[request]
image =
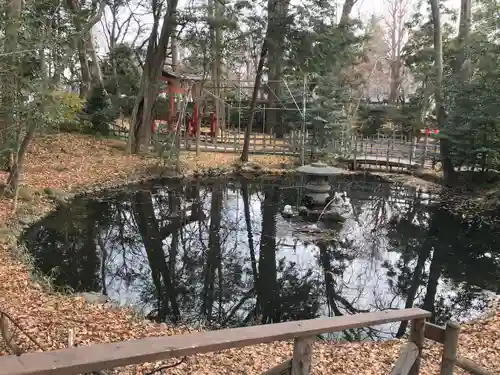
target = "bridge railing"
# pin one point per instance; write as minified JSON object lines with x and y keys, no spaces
{"x":393,"y":150}
{"x":99,"y":357}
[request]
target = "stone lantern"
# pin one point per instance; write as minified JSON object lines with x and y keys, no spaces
{"x":317,"y":189}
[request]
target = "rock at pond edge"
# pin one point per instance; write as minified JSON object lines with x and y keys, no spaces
{"x":93,"y":298}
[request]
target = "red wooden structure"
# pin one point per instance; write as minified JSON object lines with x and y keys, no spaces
{"x":191,"y":121}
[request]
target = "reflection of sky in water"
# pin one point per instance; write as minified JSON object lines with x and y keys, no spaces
{"x":364,"y":252}
{"x":363,"y":281}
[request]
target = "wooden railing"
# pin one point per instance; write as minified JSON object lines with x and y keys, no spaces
{"x":381,"y":149}
{"x":448,"y":336}
{"x":97,"y":357}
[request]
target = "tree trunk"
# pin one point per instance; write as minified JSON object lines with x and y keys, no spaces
{"x":253,"y":103}
{"x":448,"y":170}
{"x":81,"y":45}
{"x":278,"y":11}
{"x":461,"y":68}
{"x":324,"y":257}
{"x":248,"y":222}
{"x":397,"y":13}
{"x":15,"y":173}
{"x":217,"y":65}
{"x":157,"y":52}
{"x":10,"y":89}
{"x":267,"y":291}
{"x":395,"y":81}
{"x":433,"y":281}
{"x":83,"y":31}
{"x":86,"y":78}
{"x":152,"y":238}
{"x":14,"y":177}
{"x":415,"y":283}
{"x":346,"y":12}
{"x":213,"y":258}
{"x":97,"y":80}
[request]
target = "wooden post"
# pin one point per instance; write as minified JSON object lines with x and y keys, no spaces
{"x":472,"y":367}
{"x":302,"y":356}
{"x":71,"y":338}
{"x":413,"y":145}
{"x":283,"y":368}
{"x":450,"y":348}
{"x":406,"y":359}
{"x":424,"y":156}
{"x":388,"y":152}
{"x":417,"y":337}
{"x":355,"y":151}
{"x":365,"y":148}
{"x":434,"y":153}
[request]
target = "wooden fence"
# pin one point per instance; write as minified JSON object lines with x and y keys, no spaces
{"x":389,"y":150}
{"x":260,"y":143}
{"x":380,"y":151}
{"x":97,"y":357}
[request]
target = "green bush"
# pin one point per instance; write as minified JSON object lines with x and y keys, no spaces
{"x":99,"y":111}
{"x":63,"y":111}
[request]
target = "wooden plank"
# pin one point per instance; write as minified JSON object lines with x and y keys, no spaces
{"x":473,"y":367}
{"x":79,"y":360}
{"x":407,"y":357}
{"x":450,"y":346}
{"x":434,"y":332}
{"x":284,"y":368}
{"x":417,"y":337}
{"x":302,"y":356}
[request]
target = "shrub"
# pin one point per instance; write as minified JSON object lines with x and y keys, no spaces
{"x":99,"y":111}
{"x":63,"y":111}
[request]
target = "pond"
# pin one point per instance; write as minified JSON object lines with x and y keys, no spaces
{"x":219,"y":253}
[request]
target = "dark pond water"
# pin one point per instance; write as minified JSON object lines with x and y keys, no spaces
{"x":220,"y":254}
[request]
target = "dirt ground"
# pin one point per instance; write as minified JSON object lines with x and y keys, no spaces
{"x":68,"y":163}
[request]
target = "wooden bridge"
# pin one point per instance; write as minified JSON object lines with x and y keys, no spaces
{"x":380,"y":151}
{"x":97,"y":357}
{"x":390,"y":151}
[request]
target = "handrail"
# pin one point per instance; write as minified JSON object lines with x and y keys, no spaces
{"x":104,"y":356}
{"x":448,"y":336}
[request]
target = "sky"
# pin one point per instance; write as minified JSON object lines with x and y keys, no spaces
{"x":363,"y":9}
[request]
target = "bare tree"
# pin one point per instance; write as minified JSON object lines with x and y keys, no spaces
{"x":346,"y":13}
{"x":156,"y":54}
{"x":253,"y":103}
{"x":9,"y":90}
{"x":277,"y":16}
{"x":375,"y":69}
{"x":83,"y":29}
{"x":448,"y":170}
{"x":120,"y":24}
{"x":396,"y":35}
{"x":12,"y":27}
{"x":462,"y":67}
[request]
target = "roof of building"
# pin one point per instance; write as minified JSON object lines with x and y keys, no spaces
{"x":183,"y":73}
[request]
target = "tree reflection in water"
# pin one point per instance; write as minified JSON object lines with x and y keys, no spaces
{"x":220,"y":255}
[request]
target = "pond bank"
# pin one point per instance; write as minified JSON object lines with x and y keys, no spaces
{"x":58,"y":168}
{"x":48,"y":316}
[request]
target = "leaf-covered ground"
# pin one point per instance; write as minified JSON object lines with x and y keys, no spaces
{"x":69,"y":162}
